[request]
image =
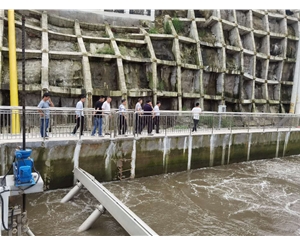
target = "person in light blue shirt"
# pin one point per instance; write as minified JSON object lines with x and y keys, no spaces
{"x":44,"y":111}
{"x":79,"y":115}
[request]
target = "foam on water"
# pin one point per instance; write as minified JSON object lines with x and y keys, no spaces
{"x":250,"y":198}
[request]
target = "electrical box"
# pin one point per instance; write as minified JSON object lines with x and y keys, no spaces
{"x":222,"y":109}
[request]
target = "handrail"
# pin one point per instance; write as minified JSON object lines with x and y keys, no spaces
{"x":132,"y":110}
{"x":62,"y":121}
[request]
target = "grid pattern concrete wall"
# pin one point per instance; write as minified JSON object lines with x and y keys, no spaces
{"x":244,"y":59}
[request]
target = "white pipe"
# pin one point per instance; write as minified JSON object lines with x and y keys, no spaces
{"x":72,"y":193}
{"x":29,"y":232}
{"x":76,"y":157}
{"x":295,"y":103}
{"x":294,"y":94}
{"x":91,"y":219}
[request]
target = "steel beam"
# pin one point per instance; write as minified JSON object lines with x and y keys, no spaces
{"x":126,"y":218}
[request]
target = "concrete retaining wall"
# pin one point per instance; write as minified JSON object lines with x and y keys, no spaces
{"x":123,"y":158}
{"x":244,"y":59}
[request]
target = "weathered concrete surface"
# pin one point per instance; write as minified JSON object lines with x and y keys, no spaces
{"x":244,"y":59}
{"x":111,"y":159}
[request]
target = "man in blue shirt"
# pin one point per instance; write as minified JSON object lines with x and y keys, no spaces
{"x":44,"y":111}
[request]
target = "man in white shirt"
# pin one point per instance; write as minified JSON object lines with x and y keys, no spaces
{"x":122,"y":117}
{"x":79,"y":115}
{"x":138,"y":116}
{"x":196,"y":111}
{"x":156,"y":116}
{"x":106,"y":115}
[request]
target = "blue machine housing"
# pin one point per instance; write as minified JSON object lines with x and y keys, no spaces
{"x":23,"y":168}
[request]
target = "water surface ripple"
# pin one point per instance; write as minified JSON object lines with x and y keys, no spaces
{"x":255,"y":198}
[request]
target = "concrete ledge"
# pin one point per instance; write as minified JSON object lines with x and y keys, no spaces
{"x":121,"y":158}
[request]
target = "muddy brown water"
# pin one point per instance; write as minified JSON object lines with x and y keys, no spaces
{"x":255,"y":198}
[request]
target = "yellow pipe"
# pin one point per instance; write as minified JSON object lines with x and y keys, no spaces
{"x":13,"y":84}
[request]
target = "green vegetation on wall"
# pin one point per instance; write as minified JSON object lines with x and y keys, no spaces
{"x":153,"y":30}
{"x":106,"y":50}
{"x":178,"y":25}
{"x":167,"y":28}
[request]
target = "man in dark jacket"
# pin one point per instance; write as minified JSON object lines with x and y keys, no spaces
{"x":98,"y":117}
{"x":148,"y":115}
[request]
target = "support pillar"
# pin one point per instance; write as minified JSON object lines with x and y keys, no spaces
{"x":13,"y":83}
{"x":72,"y":193}
{"x":295,"y":103}
{"x":45,"y":54}
{"x":92,"y":218}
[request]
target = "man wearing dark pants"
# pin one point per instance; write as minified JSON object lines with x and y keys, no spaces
{"x":148,"y":114}
{"x":122,"y":117}
{"x":44,"y":104}
{"x":98,"y":117}
{"x":138,"y":116}
{"x":156,"y":116}
{"x":79,"y":115}
{"x":106,"y":115}
{"x":196,"y":111}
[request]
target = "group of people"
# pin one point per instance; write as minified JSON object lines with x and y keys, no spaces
{"x":145,"y":115}
{"x":101,"y":116}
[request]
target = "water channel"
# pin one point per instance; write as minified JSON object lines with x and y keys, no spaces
{"x":254,"y":198}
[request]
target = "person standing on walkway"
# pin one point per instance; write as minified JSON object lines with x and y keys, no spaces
{"x":138,"y":116}
{"x":106,"y":115}
{"x":148,"y":114}
{"x":122,"y":118}
{"x":196,"y":111}
{"x":79,"y":115}
{"x":98,"y":117}
{"x":156,"y":116}
{"x":44,"y":111}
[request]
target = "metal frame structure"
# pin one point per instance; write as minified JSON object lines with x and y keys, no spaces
{"x":126,"y":218}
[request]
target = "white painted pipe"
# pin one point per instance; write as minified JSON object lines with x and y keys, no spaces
{"x":72,"y":193}
{"x":29,"y":232}
{"x":91,"y":219}
{"x":295,"y":103}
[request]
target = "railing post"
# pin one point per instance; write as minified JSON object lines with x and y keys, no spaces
{"x":213,"y":122}
{"x":230,"y":124}
{"x":115,"y":117}
{"x":248,"y":124}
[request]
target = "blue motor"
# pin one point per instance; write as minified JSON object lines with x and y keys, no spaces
{"x":23,"y":168}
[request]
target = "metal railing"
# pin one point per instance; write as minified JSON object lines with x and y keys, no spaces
{"x":63,"y":120}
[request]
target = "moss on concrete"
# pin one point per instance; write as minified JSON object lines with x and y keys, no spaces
{"x":54,"y":160}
